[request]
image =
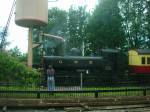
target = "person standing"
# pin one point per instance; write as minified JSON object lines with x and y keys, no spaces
{"x":50,"y":78}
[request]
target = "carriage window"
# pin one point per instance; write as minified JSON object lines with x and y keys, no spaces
{"x":148,"y":60}
{"x":143,"y":60}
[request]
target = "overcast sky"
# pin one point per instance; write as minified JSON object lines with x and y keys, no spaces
{"x":18,"y":36}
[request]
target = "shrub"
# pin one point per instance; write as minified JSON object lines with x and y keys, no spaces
{"x":12,"y":70}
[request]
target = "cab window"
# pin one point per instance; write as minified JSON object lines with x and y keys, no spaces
{"x":148,"y":60}
{"x":143,"y":60}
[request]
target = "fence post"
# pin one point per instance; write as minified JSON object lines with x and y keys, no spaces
{"x":144,"y":92}
{"x":38,"y":94}
{"x":96,"y":94}
{"x":81,"y":80}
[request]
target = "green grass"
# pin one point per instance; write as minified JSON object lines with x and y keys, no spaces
{"x":15,"y":88}
{"x":111,"y":88}
{"x":26,"y":88}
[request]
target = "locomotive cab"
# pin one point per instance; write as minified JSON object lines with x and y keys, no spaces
{"x":117,"y":60}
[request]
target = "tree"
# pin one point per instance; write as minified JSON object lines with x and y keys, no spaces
{"x":105,"y":27}
{"x":134,"y":22}
{"x":148,"y":22}
{"x":57,"y":20}
{"x":16,"y":53}
{"x":77,"y":23}
{"x":3,"y":43}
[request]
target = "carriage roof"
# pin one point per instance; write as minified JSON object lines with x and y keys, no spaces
{"x":143,"y":51}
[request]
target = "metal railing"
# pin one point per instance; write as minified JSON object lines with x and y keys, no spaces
{"x":73,"y":87}
{"x":88,"y":93}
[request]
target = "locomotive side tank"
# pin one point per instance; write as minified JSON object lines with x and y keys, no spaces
{"x":73,"y":62}
{"x":68,"y":69}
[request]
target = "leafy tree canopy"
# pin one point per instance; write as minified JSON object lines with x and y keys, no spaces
{"x":3,"y":35}
{"x":15,"y":52}
{"x":104,"y":28}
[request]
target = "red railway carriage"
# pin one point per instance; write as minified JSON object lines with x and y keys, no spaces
{"x":139,"y":61}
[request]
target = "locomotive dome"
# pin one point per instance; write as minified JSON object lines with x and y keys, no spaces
{"x":75,"y":52}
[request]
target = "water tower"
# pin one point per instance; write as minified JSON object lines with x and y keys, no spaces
{"x":31,"y":13}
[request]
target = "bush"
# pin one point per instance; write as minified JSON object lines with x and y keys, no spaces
{"x":13,"y":71}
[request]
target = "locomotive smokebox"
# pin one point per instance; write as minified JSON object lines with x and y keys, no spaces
{"x":30,"y":13}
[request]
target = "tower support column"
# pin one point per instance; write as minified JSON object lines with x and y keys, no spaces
{"x":30,"y":48}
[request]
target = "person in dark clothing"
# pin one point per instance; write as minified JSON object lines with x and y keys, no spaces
{"x":50,"y":78}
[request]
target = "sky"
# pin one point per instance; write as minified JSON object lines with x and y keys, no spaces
{"x":18,"y":36}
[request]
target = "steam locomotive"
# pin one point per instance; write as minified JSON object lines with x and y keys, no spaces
{"x":95,"y":70}
{"x":110,"y":66}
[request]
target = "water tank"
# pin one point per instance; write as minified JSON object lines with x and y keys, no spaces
{"x":30,"y":13}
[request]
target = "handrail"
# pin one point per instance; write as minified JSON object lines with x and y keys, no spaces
{"x":96,"y":92}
